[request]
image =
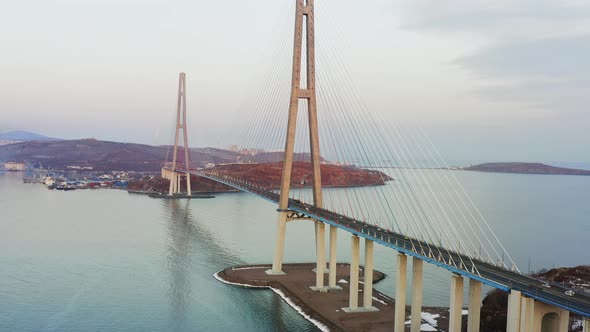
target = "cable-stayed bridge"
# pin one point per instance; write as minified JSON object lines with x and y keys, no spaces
{"x":426,"y":214}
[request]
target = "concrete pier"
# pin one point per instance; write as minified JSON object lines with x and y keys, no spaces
{"x":513,"y":318}
{"x":323,"y":308}
{"x":333,"y":250}
{"x":172,"y":182}
{"x":527,"y":314}
{"x":546,"y":317}
{"x":400,"y":292}
{"x":320,"y":267}
{"x":189,"y":189}
{"x":353,"y":298}
{"x":368,"y":278}
{"x":456,"y":308}
{"x":475,"y":301}
{"x":564,"y":319}
{"x":175,"y":185}
{"x":586,"y":325}
{"x":417,"y":293}
{"x":277,"y":263}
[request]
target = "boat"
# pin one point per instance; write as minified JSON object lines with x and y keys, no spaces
{"x":180,"y":196}
{"x":65,"y":186}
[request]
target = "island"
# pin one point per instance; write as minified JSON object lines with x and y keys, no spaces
{"x":268,"y":175}
{"x":525,"y":168}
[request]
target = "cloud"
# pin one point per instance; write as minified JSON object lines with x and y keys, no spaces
{"x":552,"y":73}
{"x":469,"y":14}
{"x":532,"y":52}
{"x":565,"y":57}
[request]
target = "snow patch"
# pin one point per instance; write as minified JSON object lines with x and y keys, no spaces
{"x":426,"y":327}
{"x":342,"y":281}
{"x":319,"y":325}
{"x":463,"y":312}
{"x":216,"y":275}
{"x":430,"y":319}
{"x":379,"y":300}
{"x":248,"y":268}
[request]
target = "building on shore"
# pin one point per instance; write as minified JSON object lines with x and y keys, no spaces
{"x":14,"y":166}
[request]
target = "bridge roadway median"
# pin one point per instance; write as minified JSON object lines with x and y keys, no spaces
{"x":489,"y":274}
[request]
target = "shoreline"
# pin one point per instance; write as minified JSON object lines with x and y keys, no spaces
{"x":299,"y":310}
{"x":324,"y":310}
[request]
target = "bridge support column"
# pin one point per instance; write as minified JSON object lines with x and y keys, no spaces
{"x":547,"y":317}
{"x":189,"y":190}
{"x":175,"y":186}
{"x":320,"y":248}
{"x":172,"y":183}
{"x":353,"y":297}
{"x":400,"y":292}
{"x":527,"y":314}
{"x":332,"y":268}
{"x":564,"y":320}
{"x":514,"y":307}
{"x":368,"y":278}
{"x":177,"y":182}
{"x":586,"y":325}
{"x":277,"y":262}
{"x":456,"y":310}
{"x":473,"y":321}
{"x":417,"y":290}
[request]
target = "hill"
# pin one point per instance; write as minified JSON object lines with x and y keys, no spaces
{"x":269,"y":176}
{"x":104,"y":155}
{"x":115,"y":156}
{"x":575,"y":277}
{"x":24,"y":136}
{"x":525,"y":168}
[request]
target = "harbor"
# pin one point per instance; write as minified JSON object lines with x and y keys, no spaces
{"x":77,"y":181}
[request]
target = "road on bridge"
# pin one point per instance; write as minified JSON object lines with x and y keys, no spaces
{"x":470,"y":267}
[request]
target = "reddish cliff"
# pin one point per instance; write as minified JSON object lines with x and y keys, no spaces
{"x":150,"y":184}
{"x":269,"y":176}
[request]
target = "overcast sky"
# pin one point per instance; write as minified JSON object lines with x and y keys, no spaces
{"x":488,"y":80}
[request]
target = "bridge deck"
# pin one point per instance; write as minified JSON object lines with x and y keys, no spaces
{"x":472,"y":268}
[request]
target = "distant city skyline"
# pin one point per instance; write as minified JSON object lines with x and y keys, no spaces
{"x":487,"y":81}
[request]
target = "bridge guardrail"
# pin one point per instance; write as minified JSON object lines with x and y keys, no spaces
{"x":531,"y":287}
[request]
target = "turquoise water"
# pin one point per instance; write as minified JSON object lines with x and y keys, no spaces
{"x":105,"y":260}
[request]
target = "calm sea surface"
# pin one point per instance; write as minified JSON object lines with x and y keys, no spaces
{"x":105,"y":260}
